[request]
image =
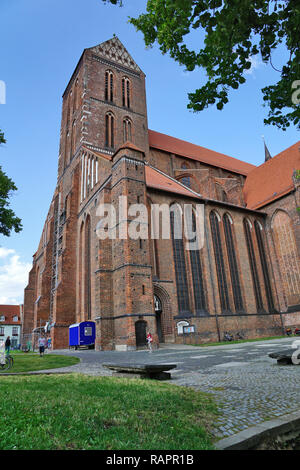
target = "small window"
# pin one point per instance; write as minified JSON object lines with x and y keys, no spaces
{"x":186,"y":179}
{"x":15,"y":331}
{"x":127,"y":130}
{"x":1,"y":330}
{"x":2,"y":318}
{"x":88,"y":331}
{"x":16,"y":318}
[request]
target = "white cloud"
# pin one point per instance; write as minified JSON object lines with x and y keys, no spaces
{"x":4,"y":252}
{"x":256,"y":62}
{"x":13,"y":277}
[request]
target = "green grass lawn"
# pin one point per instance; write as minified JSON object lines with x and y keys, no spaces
{"x":105,"y":413}
{"x":28,"y":362}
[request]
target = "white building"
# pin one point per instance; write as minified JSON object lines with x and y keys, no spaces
{"x":11,"y":318}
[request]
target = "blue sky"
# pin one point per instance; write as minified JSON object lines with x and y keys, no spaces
{"x":41,"y":43}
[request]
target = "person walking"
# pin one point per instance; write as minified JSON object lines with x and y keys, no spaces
{"x":41,"y":344}
{"x":149,"y":341}
{"x":7,"y":345}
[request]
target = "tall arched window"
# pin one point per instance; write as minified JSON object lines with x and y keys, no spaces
{"x":109,"y":85}
{"x":286,"y":249}
{"x":71,"y":110}
{"x":127,"y":130}
{"x":87,"y":269}
{"x":38,"y":284}
{"x":253,"y":266}
{"x":126,"y":92}
{"x":109,"y":130}
{"x":66,"y":159}
{"x":81,"y":273}
{"x":75,"y":106}
{"x":153,"y":242}
{"x":220,"y":266}
{"x":73,"y":140}
{"x":179,"y":261}
{"x":197,"y":276}
{"x":264,"y":264}
{"x":233,"y":266}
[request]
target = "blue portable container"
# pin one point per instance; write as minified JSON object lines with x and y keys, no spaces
{"x":82,"y":334}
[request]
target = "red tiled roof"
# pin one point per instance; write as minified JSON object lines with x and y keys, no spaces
{"x":9,"y":312}
{"x":158,"y":180}
{"x":195,"y":152}
{"x":272,"y":179}
{"x":129,"y":145}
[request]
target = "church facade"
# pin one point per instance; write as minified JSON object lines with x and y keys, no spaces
{"x":244,"y":278}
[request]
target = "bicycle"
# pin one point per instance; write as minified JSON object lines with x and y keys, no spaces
{"x":227,"y":336}
{"x":239,"y":336}
{"x":9,"y":362}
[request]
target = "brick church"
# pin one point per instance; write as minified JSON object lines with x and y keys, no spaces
{"x":244,"y":280}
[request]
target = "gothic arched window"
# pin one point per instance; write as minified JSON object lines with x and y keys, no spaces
{"x":87,"y":268}
{"x":126,"y":92}
{"x":253,"y":266}
{"x":264,"y":264}
{"x":220,"y":266}
{"x":73,"y":139}
{"x":109,"y":130}
{"x":197,"y":275}
{"x":127,"y":130}
{"x":75,"y":106}
{"x":288,"y":258}
{"x":186,"y":179}
{"x":233,"y":266}
{"x":179,"y":261}
{"x":109,"y":85}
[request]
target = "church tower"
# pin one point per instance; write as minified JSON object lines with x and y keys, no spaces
{"x":104,"y":106}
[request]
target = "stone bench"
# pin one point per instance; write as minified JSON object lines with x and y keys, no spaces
{"x":143,"y":371}
{"x":283,"y":357}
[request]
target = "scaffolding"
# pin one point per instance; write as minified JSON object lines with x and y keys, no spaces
{"x":30,"y":340}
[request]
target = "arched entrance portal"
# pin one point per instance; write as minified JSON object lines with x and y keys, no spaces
{"x":164,"y":320}
{"x":158,"y":313}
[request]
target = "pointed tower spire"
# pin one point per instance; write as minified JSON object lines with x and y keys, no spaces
{"x":267,"y":153}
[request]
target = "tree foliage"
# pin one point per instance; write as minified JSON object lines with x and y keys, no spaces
{"x":8,"y":219}
{"x":235,"y":32}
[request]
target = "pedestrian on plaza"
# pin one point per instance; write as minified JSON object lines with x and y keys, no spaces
{"x":7,"y":345}
{"x":49,"y":343}
{"x":41,"y":344}
{"x":149,"y":341}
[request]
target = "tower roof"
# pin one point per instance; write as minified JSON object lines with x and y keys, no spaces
{"x":114,"y":51}
{"x":111,"y":50}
